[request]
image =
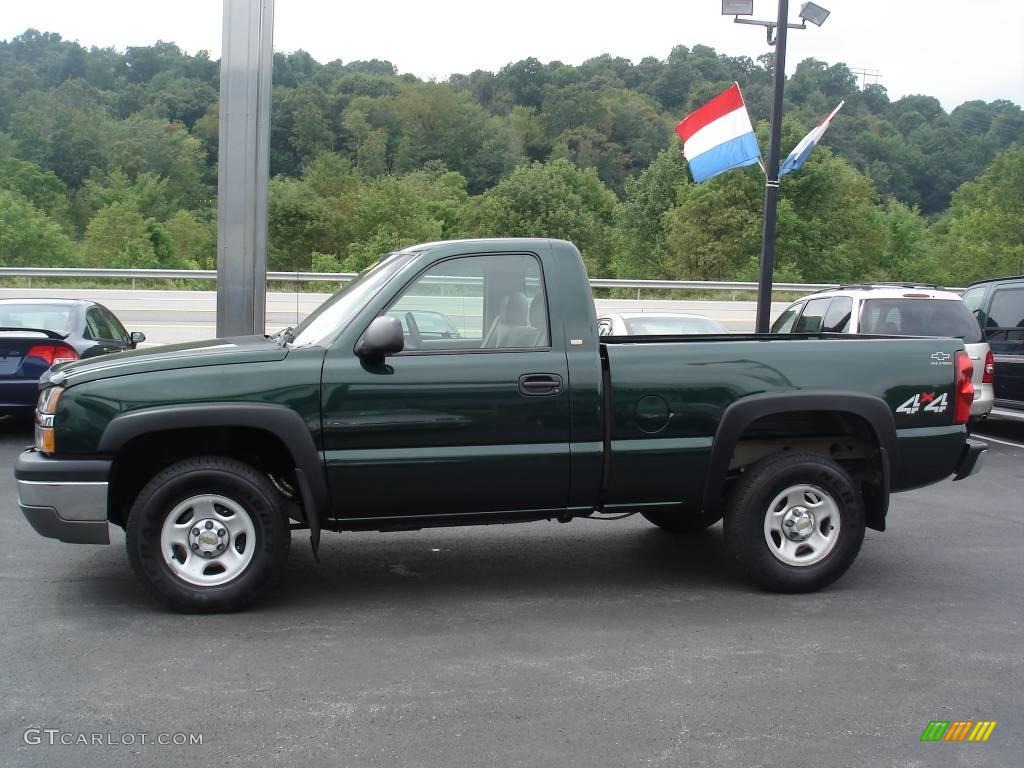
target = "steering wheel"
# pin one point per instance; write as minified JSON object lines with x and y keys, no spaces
{"x":415,"y":338}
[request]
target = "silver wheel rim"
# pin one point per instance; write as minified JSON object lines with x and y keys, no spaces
{"x":208,"y":540}
{"x":801,"y":525}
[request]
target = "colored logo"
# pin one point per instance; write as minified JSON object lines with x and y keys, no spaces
{"x":959,"y":730}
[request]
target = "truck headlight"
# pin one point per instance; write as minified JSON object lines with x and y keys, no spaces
{"x":46,"y":410}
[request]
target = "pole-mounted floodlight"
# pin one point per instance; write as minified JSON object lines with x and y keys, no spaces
{"x":777,"y":32}
{"x":813,"y":13}
{"x":737,"y":7}
{"x":808,"y":12}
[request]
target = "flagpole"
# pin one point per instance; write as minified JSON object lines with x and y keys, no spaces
{"x":771,"y":185}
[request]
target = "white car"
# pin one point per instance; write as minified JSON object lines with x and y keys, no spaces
{"x":657,"y":324}
{"x":897,"y":310}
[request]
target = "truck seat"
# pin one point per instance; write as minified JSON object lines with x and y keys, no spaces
{"x":530,"y":335}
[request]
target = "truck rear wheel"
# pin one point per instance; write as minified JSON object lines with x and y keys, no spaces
{"x":207,"y":535}
{"x":682,"y":523}
{"x":795,"y":522}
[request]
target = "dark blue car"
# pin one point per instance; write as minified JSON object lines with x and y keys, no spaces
{"x":38,"y":333}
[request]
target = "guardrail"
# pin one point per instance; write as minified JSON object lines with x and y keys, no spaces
{"x":344,"y":277}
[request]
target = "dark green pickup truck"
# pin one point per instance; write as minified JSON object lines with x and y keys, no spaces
{"x":464,"y":382}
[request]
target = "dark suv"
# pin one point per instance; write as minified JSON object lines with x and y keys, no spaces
{"x":999,"y":306}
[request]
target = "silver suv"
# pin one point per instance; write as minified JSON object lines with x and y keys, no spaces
{"x":897,"y":310}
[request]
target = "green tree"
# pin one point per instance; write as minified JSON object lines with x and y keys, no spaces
{"x":180,"y":99}
{"x":118,"y":238}
{"x":298,"y":223}
{"x":906,"y":255}
{"x":148,"y":193}
{"x":713,"y":231}
{"x":193,"y":242}
{"x":393,"y":212}
{"x":588,"y":148}
{"x":982,"y":235}
{"x":640,"y":217}
{"x":65,"y":130}
{"x":311,"y":133}
{"x":831,"y":229}
{"x":165,"y":149}
{"x":521,"y":83}
{"x":29,"y":238}
{"x":42,"y":188}
{"x":372,"y":158}
{"x":555,"y":199}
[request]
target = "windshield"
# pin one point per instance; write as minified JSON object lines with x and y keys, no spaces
{"x":671,"y":326}
{"x":920,"y":317}
{"x":337,"y":312}
{"x":48,"y":317}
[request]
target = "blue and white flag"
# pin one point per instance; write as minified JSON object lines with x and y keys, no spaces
{"x":803,"y":150}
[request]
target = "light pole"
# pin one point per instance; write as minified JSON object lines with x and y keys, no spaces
{"x":816,"y":15}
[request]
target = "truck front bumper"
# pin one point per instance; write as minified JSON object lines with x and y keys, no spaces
{"x":970,"y":459}
{"x":64,"y":499}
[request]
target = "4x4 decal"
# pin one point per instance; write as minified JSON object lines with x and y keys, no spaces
{"x":927,"y":401}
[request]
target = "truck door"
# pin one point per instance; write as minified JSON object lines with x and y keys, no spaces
{"x":1004,"y":328}
{"x":472,"y":417}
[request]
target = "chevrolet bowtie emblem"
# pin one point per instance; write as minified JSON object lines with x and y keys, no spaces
{"x":941,"y":356}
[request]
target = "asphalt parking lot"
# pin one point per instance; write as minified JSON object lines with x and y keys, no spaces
{"x":588,"y":644}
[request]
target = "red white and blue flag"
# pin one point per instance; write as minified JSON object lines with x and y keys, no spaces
{"x":719,"y":136}
{"x":807,"y":144}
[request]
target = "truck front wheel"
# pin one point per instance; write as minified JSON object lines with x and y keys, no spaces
{"x":795,"y":522}
{"x":207,"y":535}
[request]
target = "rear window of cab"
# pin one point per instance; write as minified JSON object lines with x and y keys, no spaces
{"x":919,"y":317}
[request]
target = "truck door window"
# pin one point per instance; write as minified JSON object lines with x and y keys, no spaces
{"x":837,"y":319}
{"x":1007,"y":310}
{"x":812,"y":317}
{"x":1005,"y":322}
{"x":475,"y":302}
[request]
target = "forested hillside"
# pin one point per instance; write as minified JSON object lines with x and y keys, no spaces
{"x":109,"y":158}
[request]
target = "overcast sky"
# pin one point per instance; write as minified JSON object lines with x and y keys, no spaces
{"x":956,"y":51}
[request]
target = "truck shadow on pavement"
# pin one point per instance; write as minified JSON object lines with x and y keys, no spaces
{"x":623,"y":561}
{"x":547,"y":561}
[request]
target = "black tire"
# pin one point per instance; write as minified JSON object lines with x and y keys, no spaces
{"x":682,"y":523}
{"x":748,"y":517}
{"x":226,"y":478}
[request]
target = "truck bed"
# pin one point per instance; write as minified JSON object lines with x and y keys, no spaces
{"x":668,"y":397}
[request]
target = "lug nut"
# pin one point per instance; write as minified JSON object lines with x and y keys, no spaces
{"x":220,"y":546}
{"x":222,"y":532}
{"x":195,"y":531}
{"x":209,"y":524}
{"x":789,"y":523}
{"x":195,"y":546}
{"x":207,"y":554}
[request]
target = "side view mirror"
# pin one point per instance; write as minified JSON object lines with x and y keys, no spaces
{"x":137,"y":338}
{"x":384,"y":337}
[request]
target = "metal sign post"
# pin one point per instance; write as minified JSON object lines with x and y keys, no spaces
{"x":243,"y":166}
